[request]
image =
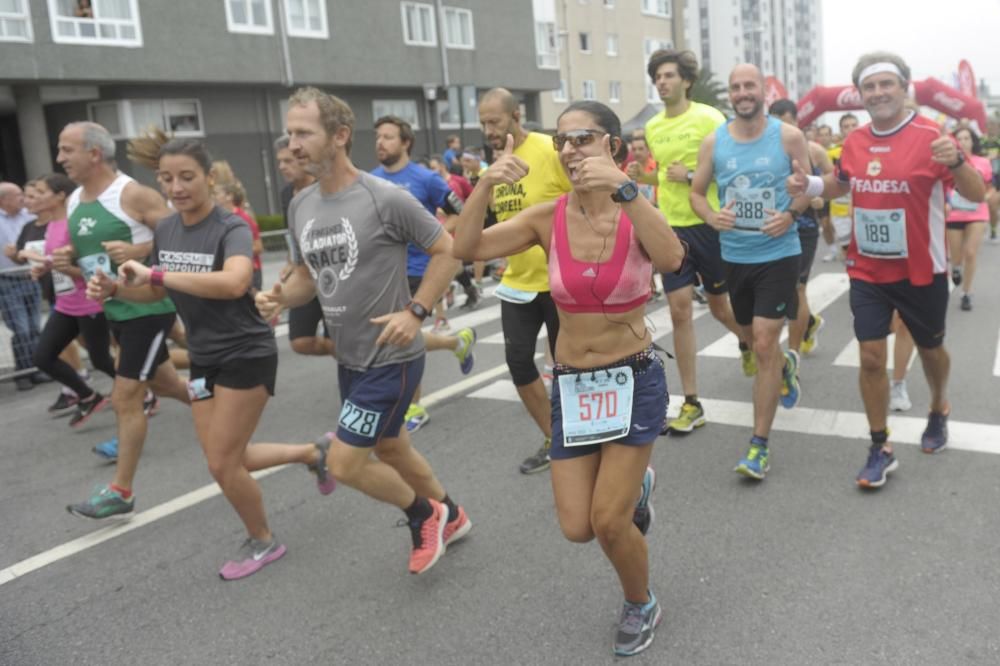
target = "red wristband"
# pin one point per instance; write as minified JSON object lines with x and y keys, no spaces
{"x":156,"y":277}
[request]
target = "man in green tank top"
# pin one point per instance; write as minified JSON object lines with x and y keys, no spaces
{"x":111,"y":218}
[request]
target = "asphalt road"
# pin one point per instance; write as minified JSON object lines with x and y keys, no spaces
{"x":802,"y":569}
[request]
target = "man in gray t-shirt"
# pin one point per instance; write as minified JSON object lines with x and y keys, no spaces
{"x":349,"y":233}
{"x":354,"y":245}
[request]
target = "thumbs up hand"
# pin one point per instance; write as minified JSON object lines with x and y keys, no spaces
{"x":944,"y":149}
{"x":270,"y":303}
{"x":508,"y":167}
{"x":797,"y":182}
{"x":598,"y":173}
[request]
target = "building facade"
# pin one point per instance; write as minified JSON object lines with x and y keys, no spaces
{"x":782,"y":37}
{"x":223,"y":70}
{"x":600,"y":49}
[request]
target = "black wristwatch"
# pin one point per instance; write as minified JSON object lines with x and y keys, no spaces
{"x":626,"y":192}
{"x":959,"y":162}
{"x":418,"y":310}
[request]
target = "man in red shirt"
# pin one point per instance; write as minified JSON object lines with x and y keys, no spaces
{"x":896,"y":169}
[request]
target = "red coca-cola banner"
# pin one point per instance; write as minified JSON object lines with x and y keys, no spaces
{"x":774,"y":90}
{"x":929,"y":92}
{"x":966,"y":79}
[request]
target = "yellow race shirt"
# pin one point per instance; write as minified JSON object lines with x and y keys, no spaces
{"x":678,"y":139}
{"x":546,"y":180}
{"x":841,"y":206}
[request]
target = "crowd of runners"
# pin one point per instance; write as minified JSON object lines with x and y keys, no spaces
{"x":585,"y":223}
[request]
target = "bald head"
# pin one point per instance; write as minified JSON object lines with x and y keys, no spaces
{"x":745,"y":70}
{"x":499,"y":116}
{"x":11,"y":200}
{"x":500,"y":97}
{"x":746,"y":91}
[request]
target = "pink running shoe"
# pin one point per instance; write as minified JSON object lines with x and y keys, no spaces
{"x":456,"y":529}
{"x":324,"y":480}
{"x":428,"y":545}
{"x":253,"y":556}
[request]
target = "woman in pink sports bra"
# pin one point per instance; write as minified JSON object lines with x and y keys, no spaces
{"x":609,"y":397}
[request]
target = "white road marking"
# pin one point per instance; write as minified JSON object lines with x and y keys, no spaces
{"x":850,"y":356}
{"x":996,"y":360}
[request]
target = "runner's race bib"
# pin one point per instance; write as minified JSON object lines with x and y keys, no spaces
{"x":880,"y":234}
{"x":750,"y":206}
{"x":198,"y":390}
{"x":958,"y":202}
{"x":62,"y":283}
{"x":361,"y":422}
{"x":596,"y":405}
{"x":90,"y":264}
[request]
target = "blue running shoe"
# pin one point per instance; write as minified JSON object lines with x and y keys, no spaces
{"x":880,"y":464}
{"x":643,"y":515}
{"x":790,"y":390}
{"x":935,"y":437}
{"x":756,"y":463}
{"x":107,"y":450}
{"x":466,"y":341}
{"x":637,"y":626}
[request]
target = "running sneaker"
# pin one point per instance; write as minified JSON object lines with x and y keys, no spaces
{"x":416,"y":417}
{"x":749,"y":360}
{"x":463,"y":352}
{"x":150,"y":404}
{"x":878,"y":467}
{"x":428,"y":542}
{"x":456,"y":529}
{"x":810,"y":341}
{"x":956,"y":275}
{"x":899,"y":399}
{"x":471,"y":298}
{"x":324,"y":480}
{"x":63,"y":402}
{"x":935,"y":437}
{"x":690,"y":417}
{"x":830,"y":256}
{"x":441,"y":325}
{"x":966,"y":302}
{"x":539,"y":461}
{"x":87,"y":408}
{"x":107,"y":450}
{"x":790,"y":389}
{"x":103,"y":503}
{"x":643,"y":515}
{"x":756,"y":463}
{"x":252,"y":556}
{"x":636,"y":626}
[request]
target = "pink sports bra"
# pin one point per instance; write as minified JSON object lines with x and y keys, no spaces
{"x":617,"y":285}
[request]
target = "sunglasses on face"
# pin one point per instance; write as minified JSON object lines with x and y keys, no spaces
{"x":576,"y":138}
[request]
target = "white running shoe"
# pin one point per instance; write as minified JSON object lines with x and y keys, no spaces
{"x":899,"y":399}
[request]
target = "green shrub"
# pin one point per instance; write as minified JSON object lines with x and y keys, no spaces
{"x":270,"y":222}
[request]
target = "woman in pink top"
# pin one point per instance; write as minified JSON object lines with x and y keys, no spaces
{"x":967,"y":219}
{"x":603,"y":241}
{"x":74,"y":314}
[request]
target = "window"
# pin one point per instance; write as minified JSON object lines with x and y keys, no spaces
{"x":589,"y":89}
{"x":585,"y":42}
{"x":252,"y":16}
{"x":458,"y":28}
{"x":656,"y":7}
{"x":15,"y":21}
{"x":306,"y":18}
{"x":609,"y":4}
{"x":449,"y":108}
{"x":614,"y":91}
{"x":404,"y":108}
{"x":560,"y":94}
{"x":106,"y":22}
{"x":419,"y":27}
{"x":126,"y":119}
{"x":612,"y":44}
{"x":546,"y":45}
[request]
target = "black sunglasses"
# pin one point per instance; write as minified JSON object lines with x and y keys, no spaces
{"x":576,"y":138}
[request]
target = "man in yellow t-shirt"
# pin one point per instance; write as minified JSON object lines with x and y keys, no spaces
{"x":674,"y":138}
{"x":838,"y":230}
{"x":524,"y":290}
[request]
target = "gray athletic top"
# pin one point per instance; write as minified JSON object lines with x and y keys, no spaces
{"x":354,"y":243}
{"x":218,"y":330}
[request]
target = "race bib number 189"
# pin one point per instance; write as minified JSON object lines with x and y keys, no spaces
{"x":880,"y":234}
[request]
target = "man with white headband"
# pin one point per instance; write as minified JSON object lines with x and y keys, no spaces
{"x":896,"y":170}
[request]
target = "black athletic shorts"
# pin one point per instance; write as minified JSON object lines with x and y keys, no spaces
{"x":704,"y":258}
{"x":302,"y":321}
{"x":243,"y":373}
{"x":922,"y":309}
{"x":808,"y":239}
{"x":768,"y":290}
{"x":142,"y":344}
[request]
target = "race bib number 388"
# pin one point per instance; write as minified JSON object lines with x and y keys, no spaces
{"x":596,"y":406}
{"x":880,"y":234}
{"x":750,"y":205}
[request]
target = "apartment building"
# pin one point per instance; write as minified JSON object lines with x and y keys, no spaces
{"x":782,"y":37}
{"x":222,"y":70}
{"x":600,"y":49}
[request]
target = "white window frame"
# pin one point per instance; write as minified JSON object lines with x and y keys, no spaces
{"x":56,"y":19}
{"x":419,"y":6}
{"x":614,"y":92}
{"x":652,"y":8}
{"x":25,"y":16}
{"x":559,"y":94}
{"x":609,"y":4}
{"x":649,"y":46}
{"x":128,"y":127}
{"x":590,"y":41}
{"x":609,"y":38}
{"x":592,"y":85}
{"x":250,"y":29}
{"x":547,"y":59}
{"x":413,"y":119}
{"x":308,"y":33}
{"x":472,"y":29}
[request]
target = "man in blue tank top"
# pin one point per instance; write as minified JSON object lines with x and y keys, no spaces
{"x":749,"y":159}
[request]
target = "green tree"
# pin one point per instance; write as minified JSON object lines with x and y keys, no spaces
{"x":708,"y":90}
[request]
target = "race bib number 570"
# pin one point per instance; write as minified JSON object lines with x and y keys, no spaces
{"x":596,"y":406}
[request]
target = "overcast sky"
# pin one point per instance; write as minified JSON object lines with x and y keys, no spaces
{"x":930,"y":37}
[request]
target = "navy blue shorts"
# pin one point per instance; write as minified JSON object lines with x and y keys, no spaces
{"x":922,"y":309}
{"x":374,"y":401}
{"x":704,"y":258}
{"x":649,"y":405}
